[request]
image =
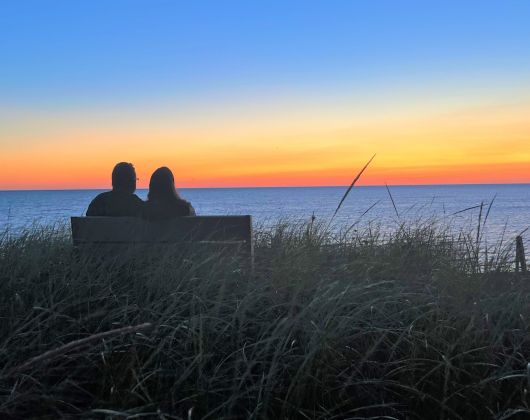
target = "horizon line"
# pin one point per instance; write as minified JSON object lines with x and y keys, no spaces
{"x":277,"y":186}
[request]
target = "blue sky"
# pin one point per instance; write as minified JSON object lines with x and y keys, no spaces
{"x":77,"y":53}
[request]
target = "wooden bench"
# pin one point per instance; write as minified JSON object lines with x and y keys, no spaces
{"x":183,"y":232}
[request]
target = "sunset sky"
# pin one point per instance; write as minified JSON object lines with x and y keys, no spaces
{"x":264,"y":93}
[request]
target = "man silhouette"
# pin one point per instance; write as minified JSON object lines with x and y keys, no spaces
{"x":121,"y":201}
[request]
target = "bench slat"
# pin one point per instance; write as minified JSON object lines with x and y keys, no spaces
{"x":181,"y":229}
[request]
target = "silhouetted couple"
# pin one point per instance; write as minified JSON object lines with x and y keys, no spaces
{"x":163,"y":201}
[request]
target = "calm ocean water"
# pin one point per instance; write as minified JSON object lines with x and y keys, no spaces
{"x":511,"y":207}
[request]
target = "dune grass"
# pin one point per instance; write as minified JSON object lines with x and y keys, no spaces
{"x":416,"y":324}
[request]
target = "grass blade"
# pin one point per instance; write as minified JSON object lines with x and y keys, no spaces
{"x":477,"y":242}
{"x":351,"y":186}
{"x":488,"y":211}
{"x":392,"y":199}
{"x":469,"y":208}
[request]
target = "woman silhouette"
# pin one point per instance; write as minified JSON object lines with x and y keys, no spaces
{"x":163,"y":201}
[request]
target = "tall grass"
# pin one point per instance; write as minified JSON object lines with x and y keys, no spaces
{"x":411,"y":324}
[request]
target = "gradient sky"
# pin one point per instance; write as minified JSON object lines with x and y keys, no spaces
{"x":258,"y":93}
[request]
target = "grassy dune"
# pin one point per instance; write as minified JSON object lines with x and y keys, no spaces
{"x":418,"y":324}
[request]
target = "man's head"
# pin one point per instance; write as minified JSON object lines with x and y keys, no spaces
{"x":124,"y":178}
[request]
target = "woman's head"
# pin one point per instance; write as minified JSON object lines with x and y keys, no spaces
{"x":162,"y":185}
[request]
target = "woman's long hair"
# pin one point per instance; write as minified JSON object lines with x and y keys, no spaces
{"x":162,"y":186}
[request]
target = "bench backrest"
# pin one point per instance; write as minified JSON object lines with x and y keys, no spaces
{"x":101,"y":230}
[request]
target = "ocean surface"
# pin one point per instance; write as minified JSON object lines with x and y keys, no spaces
{"x":510,"y":210}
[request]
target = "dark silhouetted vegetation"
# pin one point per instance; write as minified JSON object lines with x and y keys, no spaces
{"x":416,"y":324}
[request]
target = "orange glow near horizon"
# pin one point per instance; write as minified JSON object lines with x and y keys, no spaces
{"x":474,"y":145}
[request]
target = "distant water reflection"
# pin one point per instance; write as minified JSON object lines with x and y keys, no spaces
{"x":510,"y":210}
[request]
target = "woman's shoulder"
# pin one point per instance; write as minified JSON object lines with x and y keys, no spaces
{"x":154,"y":209}
{"x":189,"y":208}
{"x":184,"y":207}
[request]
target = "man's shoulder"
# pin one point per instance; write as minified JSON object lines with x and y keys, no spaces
{"x":98,"y":205}
{"x":102,"y":196}
{"x":114,"y":203}
{"x":117,"y":196}
{"x":131,"y":200}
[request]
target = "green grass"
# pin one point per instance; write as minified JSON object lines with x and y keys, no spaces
{"x":417,"y":324}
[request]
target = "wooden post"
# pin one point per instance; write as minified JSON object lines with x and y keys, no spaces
{"x":520,"y":258}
